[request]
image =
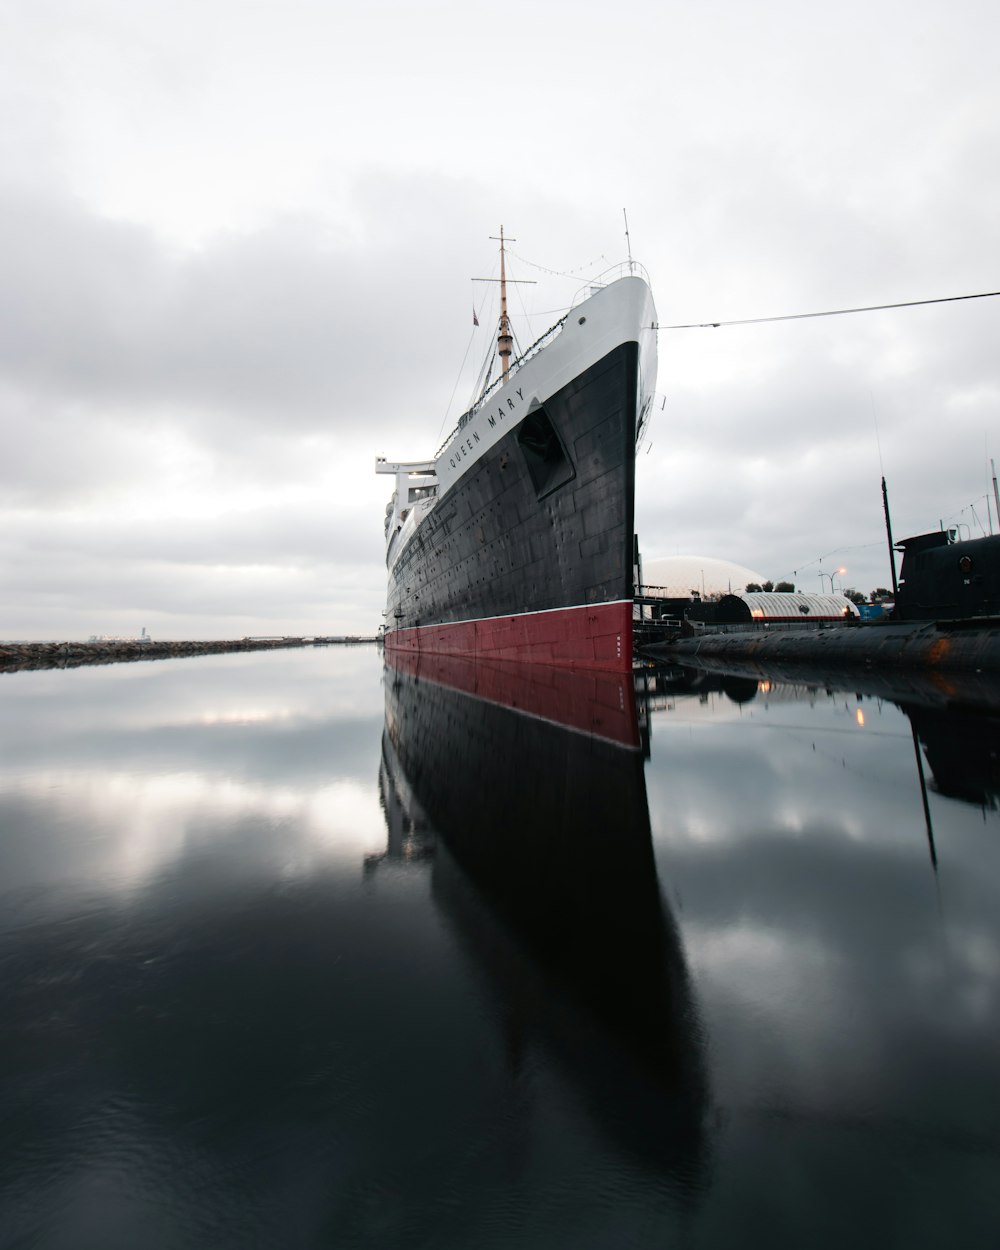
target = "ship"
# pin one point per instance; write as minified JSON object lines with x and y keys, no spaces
{"x":515,"y":541}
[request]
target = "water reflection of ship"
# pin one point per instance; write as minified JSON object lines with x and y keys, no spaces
{"x":543,"y":862}
{"x":962,"y":747}
{"x":955,"y":716}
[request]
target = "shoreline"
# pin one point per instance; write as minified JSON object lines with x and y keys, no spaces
{"x":19,"y":657}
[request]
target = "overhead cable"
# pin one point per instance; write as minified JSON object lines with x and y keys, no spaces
{"x":833,"y":312}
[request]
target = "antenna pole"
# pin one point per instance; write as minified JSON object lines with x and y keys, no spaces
{"x":628,"y":243}
{"x":892,"y":550}
{"x":996,"y":496}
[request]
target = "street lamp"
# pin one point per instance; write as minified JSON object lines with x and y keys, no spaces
{"x":831,"y":576}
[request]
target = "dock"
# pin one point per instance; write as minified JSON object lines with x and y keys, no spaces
{"x":972,"y":643}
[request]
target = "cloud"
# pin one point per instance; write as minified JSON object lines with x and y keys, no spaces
{"x":237,"y":253}
{"x":282,"y":325}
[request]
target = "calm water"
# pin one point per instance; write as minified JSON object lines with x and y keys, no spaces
{"x":297,"y":953}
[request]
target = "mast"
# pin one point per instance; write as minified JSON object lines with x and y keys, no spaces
{"x":504,"y":339}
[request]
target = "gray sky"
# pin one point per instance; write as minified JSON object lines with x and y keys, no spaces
{"x":236,"y":244}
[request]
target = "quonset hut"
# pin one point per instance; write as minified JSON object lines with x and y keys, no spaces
{"x":775,"y":609}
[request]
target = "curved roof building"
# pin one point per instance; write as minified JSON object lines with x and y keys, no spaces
{"x":781,"y":608}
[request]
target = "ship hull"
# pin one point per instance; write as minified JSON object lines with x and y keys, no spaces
{"x":597,"y":636}
{"x":528,"y":556}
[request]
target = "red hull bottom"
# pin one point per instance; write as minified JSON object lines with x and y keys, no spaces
{"x":587,"y":637}
{"x":598,"y":704}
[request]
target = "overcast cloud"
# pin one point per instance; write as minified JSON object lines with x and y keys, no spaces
{"x":236,"y":244}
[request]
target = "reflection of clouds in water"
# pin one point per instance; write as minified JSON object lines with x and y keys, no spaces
{"x":751,"y":962}
{"x":298,"y":751}
{"x":243,"y":716}
{"x":958,"y":974}
{"x":902,"y":1034}
{"x":779,"y":995}
{"x":813,"y":768}
{"x":112,"y":776}
{"x":839,"y":977}
{"x":122,"y":829}
{"x":45,"y":711}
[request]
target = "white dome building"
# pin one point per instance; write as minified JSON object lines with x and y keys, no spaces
{"x":675,"y":577}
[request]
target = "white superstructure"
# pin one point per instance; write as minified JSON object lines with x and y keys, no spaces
{"x":621,"y":310}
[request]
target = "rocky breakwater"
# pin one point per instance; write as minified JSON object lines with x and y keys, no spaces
{"x":18,"y":656}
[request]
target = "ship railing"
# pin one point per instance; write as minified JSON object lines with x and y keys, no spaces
{"x":539,"y":343}
{"x":624,"y":269}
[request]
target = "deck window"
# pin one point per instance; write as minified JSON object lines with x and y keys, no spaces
{"x":422,"y":492}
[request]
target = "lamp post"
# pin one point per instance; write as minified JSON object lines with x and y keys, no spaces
{"x":831,"y":576}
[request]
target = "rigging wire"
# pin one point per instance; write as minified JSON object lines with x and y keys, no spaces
{"x":486,"y":365}
{"x":477,"y":315}
{"x":557,"y":273}
{"x":950,"y":521}
{"x":832,"y":312}
{"x":527,"y":320}
{"x":483,"y":380}
{"x":451,"y":398}
{"x":956,"y":517}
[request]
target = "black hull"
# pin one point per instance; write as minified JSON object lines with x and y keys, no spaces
{"x":543,"y":520}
